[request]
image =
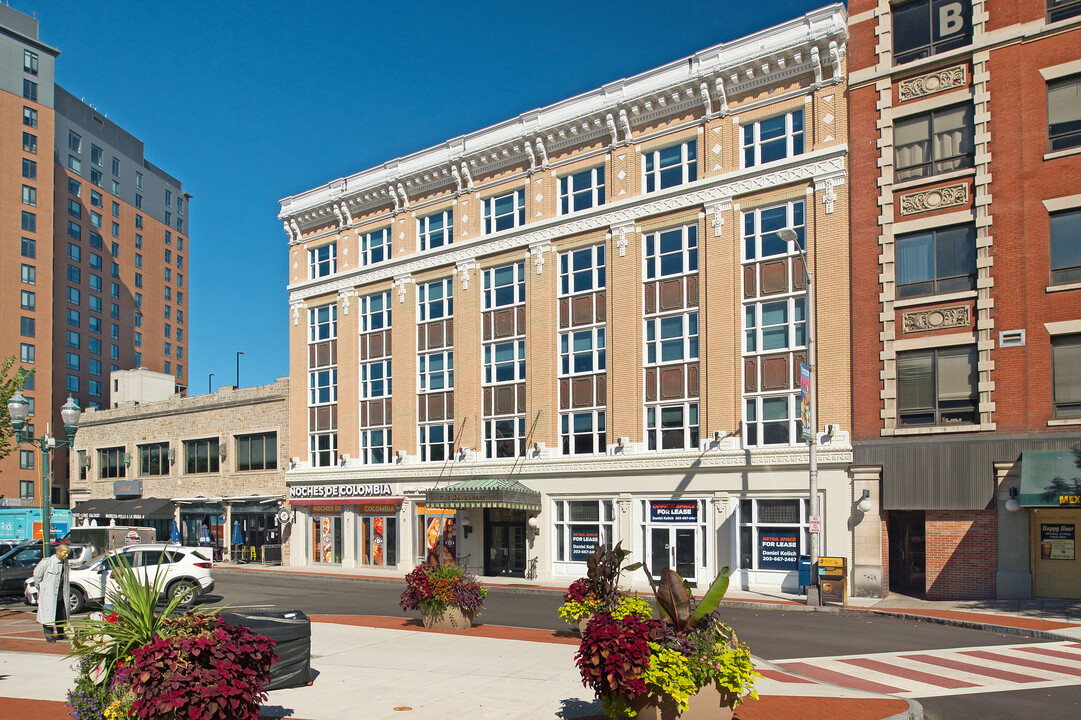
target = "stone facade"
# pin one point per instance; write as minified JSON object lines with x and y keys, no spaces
{"x":224,"y":416}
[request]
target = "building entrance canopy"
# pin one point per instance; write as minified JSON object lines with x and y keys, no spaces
{"x":484,"y":493}
{"x":1051,"y":478}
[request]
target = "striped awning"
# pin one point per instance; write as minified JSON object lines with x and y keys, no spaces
{"x":484,"y":493}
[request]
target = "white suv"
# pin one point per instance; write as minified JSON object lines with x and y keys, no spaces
{"x":184,"y":571}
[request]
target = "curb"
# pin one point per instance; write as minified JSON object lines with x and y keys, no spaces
{"x":970,"y":624}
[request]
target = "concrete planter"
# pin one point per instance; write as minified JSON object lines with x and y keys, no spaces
{"x":706,"y":704}
{"x":453,"y":618}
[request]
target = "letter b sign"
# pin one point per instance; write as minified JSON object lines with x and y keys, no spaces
{"x":951,"y":19}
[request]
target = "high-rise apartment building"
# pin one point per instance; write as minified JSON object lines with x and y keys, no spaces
{"x":965,"y":138}
{"x":94,"y":256}
{"x":584,"y":325}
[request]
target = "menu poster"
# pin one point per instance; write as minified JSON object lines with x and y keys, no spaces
{"x":584,"y":539}
{"x":778,"y":550}
{"x":1057,"y":541}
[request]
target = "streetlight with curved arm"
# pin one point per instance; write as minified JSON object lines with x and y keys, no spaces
{"x":70,"y":412}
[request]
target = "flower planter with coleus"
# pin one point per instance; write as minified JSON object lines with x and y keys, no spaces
{"x":139,"y":662}
{"x":599,"y":589}
{"x":688,"y":656}
{"x":435,"y":589}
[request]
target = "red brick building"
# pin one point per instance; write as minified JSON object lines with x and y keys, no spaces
{"x":965,"y":128}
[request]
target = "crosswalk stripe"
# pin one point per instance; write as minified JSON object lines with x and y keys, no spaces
{"x":1075,"y":657}
{"x":1035,"y":664}
{"x":839,"y":678}
{"x":972,"y":669}
{"x":908,"y":673}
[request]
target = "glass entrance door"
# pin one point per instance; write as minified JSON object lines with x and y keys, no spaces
{"x":676,"y":548}
{"x":505,"y":542}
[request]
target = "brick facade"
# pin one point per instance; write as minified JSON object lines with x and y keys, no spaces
{"x":1000,"y":181}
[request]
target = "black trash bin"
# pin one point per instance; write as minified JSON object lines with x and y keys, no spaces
{"x":291,"y":631}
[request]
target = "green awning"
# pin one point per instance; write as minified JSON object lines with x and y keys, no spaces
{"x":484,"y":493}
{"x":1051,"y":478}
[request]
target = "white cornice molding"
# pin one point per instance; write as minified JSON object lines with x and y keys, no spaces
{"x":787,"y":456}
{"x":813,"y":167}
{"x":808,"y":44}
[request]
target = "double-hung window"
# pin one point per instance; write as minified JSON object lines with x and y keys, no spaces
{"x":323,"y":261}
{"x":1062,"y":9}
{"x":375,"y":381}
{"x":582,"y":351}
{"x":581,"y":191}
{"x":30,"y":117}
{"x":436,"y":371}
{"x":672,"y":339}
{"x":1064,"y":113}
{"x":375,"y":246}
{"x":672,"y":252}
{"x":937,"y":261}
{"x":671,"y":166}
{"x":504,"y":212}
{"x":937,"y":387}
{"x":504,"y":362}
{"x":1065,"y":230}
{"x":672,"y":427}
{"x":773,"y":138}
{"x":435,"y":300}
{"x":504,"y":286}
{"x":933,"y":143}
{"x":436,"y":230}
{"x":922,"y":28}
{"x":1066,"y":368}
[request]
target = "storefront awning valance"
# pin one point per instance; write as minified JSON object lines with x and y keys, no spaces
{"x":137,"y":509}
{"x":1051,"y":478}
{"x":484,"y":493}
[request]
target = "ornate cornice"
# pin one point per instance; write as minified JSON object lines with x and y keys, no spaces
{"x":936,"y":319}
{"x":934,"y":199}
{"x":810,"y":167}
{"x":932,"y":83}
{"x":813,"y":43}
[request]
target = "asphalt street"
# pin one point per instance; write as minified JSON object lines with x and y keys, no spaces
{"x":773,"y":634}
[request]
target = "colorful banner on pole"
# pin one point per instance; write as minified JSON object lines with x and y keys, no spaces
{"x":805,"y":401}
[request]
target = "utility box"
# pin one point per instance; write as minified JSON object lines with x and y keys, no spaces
{"x":833,"y":579}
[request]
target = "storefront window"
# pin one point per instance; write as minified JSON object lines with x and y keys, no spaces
{"x":377,"y":535}
{"x":580,"y":525}
{"x":326,"y":534}
{"x":437,"y":536}
{"x":251,"y":531}
{"x":203,"y":527}
{"x":772,"y":533}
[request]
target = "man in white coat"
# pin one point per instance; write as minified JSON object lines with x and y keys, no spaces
{"x":54,"y":593}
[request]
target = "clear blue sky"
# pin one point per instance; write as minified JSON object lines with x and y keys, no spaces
{"x":249,"y":102}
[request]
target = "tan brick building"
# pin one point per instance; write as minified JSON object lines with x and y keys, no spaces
{"x":94,"y":258}
{"x":581,"y":325}
{"x":217,"y":460}
{"x":966,"y":272}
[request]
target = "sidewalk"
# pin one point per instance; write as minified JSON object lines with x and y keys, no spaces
{"x":394,"y":668}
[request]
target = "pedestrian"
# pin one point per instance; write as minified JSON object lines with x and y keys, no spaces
{"x":51,"y":577}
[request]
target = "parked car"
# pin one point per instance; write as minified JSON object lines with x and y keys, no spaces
{"x":184,"y":572}
{"x":110,"y":537}
{"x":18,"y":563}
